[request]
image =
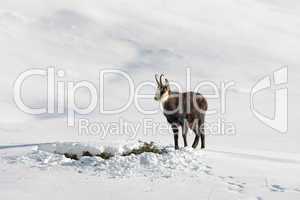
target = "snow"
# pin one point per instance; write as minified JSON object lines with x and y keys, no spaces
{"x":239,"y":40}
{"x":220,"y":175}
{"x":146,"y":164}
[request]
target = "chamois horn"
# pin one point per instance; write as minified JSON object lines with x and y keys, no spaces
{"x":156,"y":75}
{"x":160,"y":79}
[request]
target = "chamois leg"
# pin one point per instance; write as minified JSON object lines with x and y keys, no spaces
{"x":195,"y":128}
{"x":175,"y":131}
{"x":201,"y":129}
{"x":184,"y":134}
{"x":199,"y":132}
{"x":184,"y":140}
{"x":202,"y":140}
{"x":196,"y":141}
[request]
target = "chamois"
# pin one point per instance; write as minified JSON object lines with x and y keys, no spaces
{"x":185,"y":110}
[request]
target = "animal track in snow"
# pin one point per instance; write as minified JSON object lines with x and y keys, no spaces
{"x":233,"y":184}
{"x":277,"y":188}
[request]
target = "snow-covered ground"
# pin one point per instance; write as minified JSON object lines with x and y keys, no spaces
{"x":238,"y":40}
{"x":43,"y":172}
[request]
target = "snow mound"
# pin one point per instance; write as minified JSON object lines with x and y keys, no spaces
{"x":93,"y":149}
{"x":170,"y":163}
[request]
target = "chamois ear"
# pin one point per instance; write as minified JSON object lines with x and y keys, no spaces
{"x":166,"y":81}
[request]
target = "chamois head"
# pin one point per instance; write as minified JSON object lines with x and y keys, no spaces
{"x":163,"y":89}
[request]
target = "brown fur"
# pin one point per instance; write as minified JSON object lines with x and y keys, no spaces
{"x":186,"y":110}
